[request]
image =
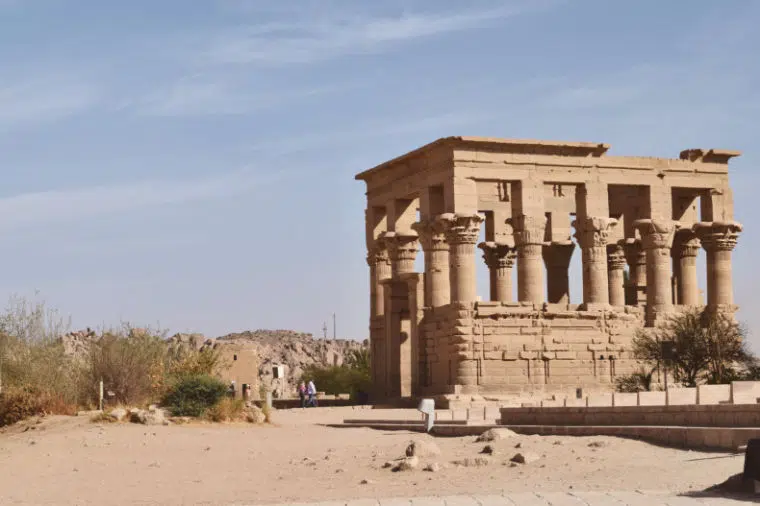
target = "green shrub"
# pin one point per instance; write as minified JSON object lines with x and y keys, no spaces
{"x":339,"y":380}
{"x":194,"y":395}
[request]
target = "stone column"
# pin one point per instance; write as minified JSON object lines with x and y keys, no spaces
{"x":410,"y":348}
{"x":462,"y":231}
{"x":685,"y":248}
{"x":592,"y":234}
{"x":615,"y":274}
{"x":402,"y":251}
{"x":719,"y":239}
{"x":499,"y":258}
{"x":529,"y":241}
{"x":637,"y":268}
{"x":380,"y":270}
{"x":433,"y":240}
{"x":657,"y":239}
{"x":557,"y":259}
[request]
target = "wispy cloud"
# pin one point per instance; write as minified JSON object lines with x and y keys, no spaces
{"x":203,"y":94}
{"x":435,"y":125}
{"x":329,"y":35}
{"x":43,"y":99}
{"x":56,"y":206}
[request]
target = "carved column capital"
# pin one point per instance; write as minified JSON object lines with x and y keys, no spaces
{"x":634,"y":252}
{"x":685,"y":244}
{"x":431,"y":234}
{"x":656,"y":234}
{"x":498,"y":255}
{"x":527,"y":229}
{"x":615,"y":257}
{"x":718,"y":235}
{"x":593,"y":231}
{"x":461,"y":228}
{"x":377,"y":254}
{"x":402,"y":247}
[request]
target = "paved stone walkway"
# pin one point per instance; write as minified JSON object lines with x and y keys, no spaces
{"x":637,"y":498}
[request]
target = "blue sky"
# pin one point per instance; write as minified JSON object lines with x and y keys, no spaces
{"x":190,"y":164}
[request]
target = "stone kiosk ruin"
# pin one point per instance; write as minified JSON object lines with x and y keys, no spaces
{"x":638,"y":219}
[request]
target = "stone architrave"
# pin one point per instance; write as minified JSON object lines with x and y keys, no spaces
{"x":719,"y":239}
{"x":462,"y":232}
{"x":499,"y":258}
{"x":433,"y":241}
{"x":615,"y":274}
{"x":592,"y":234}
{"x":686,"y":246}
{"x":529,"y":240}
{"x":557,"y":257}
{"x":636,"y":257}
{"x":657,"y":239}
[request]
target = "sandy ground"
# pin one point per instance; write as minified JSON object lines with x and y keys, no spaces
{"x":70,"y":460}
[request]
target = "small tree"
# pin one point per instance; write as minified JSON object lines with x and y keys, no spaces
{"x":639,"y":381}
{"x":705,"y":345}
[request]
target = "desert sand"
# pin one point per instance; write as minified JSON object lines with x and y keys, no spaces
{"x":71,"y":460}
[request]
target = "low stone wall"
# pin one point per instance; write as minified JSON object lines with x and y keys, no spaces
{"x":692,"y":438}
{"x":724,"y":415}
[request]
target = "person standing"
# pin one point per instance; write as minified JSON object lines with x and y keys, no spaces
{"x":311,"y":390}
{"x":302,"y":393}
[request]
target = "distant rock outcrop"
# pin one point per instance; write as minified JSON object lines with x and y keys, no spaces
{"x":294,"y":350}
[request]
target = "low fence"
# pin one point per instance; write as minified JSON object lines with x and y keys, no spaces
{"x":738,"y":392}
{"x":743,"y":415}
{"x":323,"y":400}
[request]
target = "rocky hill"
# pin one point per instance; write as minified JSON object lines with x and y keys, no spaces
{"x":295,"y":350}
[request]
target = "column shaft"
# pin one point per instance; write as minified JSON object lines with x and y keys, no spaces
{"x":380,"y":270}
{"x":557,"y":259}
{"x":637,"y":268}
{"x":462,"y":233}
{"x":719,"y":239}
{"x":433,"y":240}
{"x":529,"y":240}
{"x":402,"y":252}
{"x":615,"y":269}
{"x":685,"y":248}
{"x":499,"y":258}
{"x":592,"y":233}
{"x":657,"y":239}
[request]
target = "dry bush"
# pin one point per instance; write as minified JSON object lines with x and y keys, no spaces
{"x":32,"y":358}
{"x":131,"y":363}
{"x":17,"y":404}
{"x":187,"y":361}
{"x":103,"y":418}
{"x":226,"y":410}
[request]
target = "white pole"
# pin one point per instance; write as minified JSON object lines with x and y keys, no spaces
{"x":101,"y":395}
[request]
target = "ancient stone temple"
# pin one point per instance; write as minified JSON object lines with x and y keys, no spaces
{"x":637,"y":223}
